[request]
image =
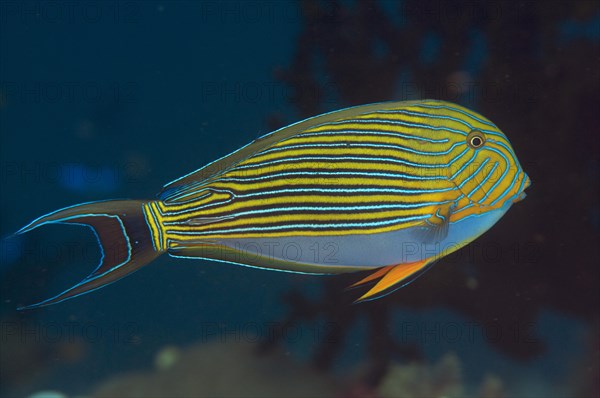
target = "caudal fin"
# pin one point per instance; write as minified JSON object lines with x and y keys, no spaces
{"x":123,"y":234}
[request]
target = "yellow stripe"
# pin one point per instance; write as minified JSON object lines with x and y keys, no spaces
{"x":323,"y":200}
{"x":325,"y":166}
{"x":337,"y":217}
{"x":402,"y":117}
{"x":350,"y":151}
{"x":360,"y":138}
{"x":276,"y":234}
{"x":331,"y":182}
{"x":148,"y":213}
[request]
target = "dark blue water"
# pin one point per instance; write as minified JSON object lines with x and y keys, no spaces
{"x":113,"y":99}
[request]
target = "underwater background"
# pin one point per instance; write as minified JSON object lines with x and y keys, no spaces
{"x":113,"y":99}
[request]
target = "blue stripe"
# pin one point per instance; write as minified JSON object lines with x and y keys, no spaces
{"x":373,"y":132}
{"x":342,"y":157}
{"x":460,"y":155}
{"x":456,"y":110}
{"x":474,"y":174}
{"x":32,"y":226}
{"x":485,"y":131}
{"x":359,"y":145}
{"x":507,"y":189}
{"x":428,"y":115}
{"x":464,"y":166}
{"x":437,"y":213}
{"x":503,"y":174}
{"x":520,"y":189}
{"x":247,"y":265}
{"x":331,"y":173}
{"x":312,"y":226}
{"x":484,"y":180}
{"x":328,"y":208}
{"x":341,"y":190}
{"x":189,"y":190}
{"x":395,"y":123}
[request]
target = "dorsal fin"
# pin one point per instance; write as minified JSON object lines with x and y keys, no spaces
{"x":222,"y":165}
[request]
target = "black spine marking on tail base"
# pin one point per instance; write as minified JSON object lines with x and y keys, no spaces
{"x":123,"y":235}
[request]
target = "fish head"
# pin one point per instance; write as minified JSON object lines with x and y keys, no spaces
{"x":487,"y":171}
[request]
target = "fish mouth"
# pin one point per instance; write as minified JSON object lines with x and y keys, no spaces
{"x":523,"y":195}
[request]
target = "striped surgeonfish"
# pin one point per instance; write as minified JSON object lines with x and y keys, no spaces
{"x":388,"y":187}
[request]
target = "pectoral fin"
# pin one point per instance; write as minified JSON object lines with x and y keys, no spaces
{"x":393,"y":278}
{"x":435,"y":228}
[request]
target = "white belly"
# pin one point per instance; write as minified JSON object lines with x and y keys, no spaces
{"x":367,"y":250}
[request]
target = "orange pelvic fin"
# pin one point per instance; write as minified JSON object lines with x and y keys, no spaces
{"x":371,"y":277}
{"x":393,"y":277}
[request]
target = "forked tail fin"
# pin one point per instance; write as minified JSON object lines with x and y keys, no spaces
{"x":124,"y":236}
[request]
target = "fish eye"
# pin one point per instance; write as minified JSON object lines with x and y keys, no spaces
{"x":475,"y":139}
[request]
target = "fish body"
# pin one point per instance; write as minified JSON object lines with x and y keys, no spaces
{"x":388,"y":187}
